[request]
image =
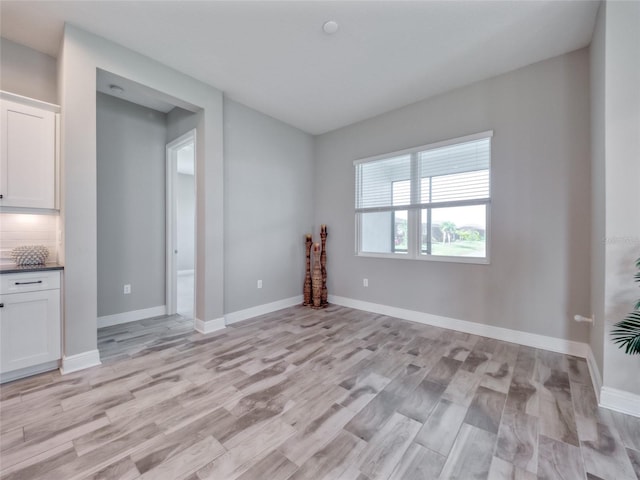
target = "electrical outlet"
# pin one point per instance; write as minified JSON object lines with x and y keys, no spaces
{"x":127,"y":289}
{"x":259,"y":283}
{"x":365,"y":282}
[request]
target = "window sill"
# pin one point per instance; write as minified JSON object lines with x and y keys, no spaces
{"x":427,"y":258}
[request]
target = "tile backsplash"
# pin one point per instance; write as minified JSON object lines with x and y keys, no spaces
{"x":28,"y":229}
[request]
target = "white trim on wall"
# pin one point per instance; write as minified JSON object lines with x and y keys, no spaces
{"x":132,"y":316}
{"x":620,"y":401}
{"x":171,"y":216}
{"x":73,"y":363}
{"x":594,"y":372}
{"x":544,"y":342}
{"x":209,"y":326}
{"x":247,"y":313}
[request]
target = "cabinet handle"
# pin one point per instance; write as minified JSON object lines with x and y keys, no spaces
{"x":1,"y":196}
{"x":1,"y":305}
{"x":28,"y":283}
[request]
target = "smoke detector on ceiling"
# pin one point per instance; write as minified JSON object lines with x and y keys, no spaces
{"x":330,"y":27}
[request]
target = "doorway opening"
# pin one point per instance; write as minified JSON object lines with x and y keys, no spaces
{"x":137,"y":222}
{"x":181,"y":218}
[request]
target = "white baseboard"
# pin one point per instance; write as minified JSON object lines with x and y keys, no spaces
{"x":73,"y":363}
{"x":209,"y":326}
{"x":241,"y":315}
{"x":27,"y":372}
{"x":499,"y":333}
{"x":234,"y":317}
{"x":132,"y":316}
{"x":594,"y":372}
{"x":620,"y":401}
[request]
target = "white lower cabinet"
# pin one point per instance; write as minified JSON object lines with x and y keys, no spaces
{"x":29,"y":323}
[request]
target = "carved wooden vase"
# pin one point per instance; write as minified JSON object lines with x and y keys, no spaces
{"x":306,"y":290}
{"x":323,"y":265}
{"x":316,"y":277}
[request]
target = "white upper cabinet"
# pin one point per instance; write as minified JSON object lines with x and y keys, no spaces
{"x":28,"y":155}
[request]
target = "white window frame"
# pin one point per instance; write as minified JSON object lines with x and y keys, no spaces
{"x":413,"y":221}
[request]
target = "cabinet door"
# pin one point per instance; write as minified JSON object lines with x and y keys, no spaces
{"x":29,"y":329}
{"x":27,"y":156}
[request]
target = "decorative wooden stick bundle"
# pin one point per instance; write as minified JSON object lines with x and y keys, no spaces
{"x":307,"y":278}
{"x":323,"y":264}
{"x":316,"y":277}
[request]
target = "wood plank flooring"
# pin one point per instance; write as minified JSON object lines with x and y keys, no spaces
{"x":336,"y":394}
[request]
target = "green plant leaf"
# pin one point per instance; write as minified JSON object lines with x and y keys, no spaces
{"x":626,"y":333}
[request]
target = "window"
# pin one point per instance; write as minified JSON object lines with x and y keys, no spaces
{"x":430,"y":202}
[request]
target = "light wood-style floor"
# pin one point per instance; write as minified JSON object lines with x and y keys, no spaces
{"x":337,"y":394}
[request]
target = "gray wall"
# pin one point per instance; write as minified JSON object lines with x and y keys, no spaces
{"x":598,"y":231}
{"x":622,"y":177}
{"x":80,"y":56}
{"x":27,"y":72}
{"x":268,"y":207}
{"x":179,"y":122}
{"x":540,"y":229}
{"x":186,"y":207}
{"x":131,"y":205}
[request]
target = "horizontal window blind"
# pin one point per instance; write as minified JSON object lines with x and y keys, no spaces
{"x":463,"y":157}
{"x":460,"y":186}
{"x":374,"y":181}
{"x":455,"y":173}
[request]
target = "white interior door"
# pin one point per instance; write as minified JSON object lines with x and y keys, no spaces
{"x":181,"y":215}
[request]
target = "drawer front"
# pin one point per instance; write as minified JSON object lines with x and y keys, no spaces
{"x":29,"y":282}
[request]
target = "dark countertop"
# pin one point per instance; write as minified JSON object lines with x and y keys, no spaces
{"x":12,"y":268}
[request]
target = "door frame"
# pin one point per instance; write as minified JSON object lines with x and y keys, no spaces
{"x":171,"y":219}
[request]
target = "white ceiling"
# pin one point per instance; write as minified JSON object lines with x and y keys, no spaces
{"x":274,"y":57}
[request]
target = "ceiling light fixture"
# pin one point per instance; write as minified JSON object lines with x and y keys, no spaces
{"x":330,"y":27}
{"x":117,"y":89}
